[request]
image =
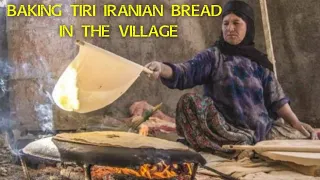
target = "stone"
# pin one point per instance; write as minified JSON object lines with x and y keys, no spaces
{"x":3,"y":171}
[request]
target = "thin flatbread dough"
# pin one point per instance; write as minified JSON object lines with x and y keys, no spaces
{"x":302,"y":158}
{"x":238,"y":169}
{"x":120,"y":139}
{"x":94,"y":79}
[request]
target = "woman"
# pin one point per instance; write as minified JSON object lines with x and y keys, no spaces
{"x":243,"y":102}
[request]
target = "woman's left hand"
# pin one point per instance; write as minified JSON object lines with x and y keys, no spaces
{"x":306,"y":129}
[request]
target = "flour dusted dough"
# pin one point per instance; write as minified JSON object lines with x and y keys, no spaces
{"x":119,"y":139}
{"x":302,"y":158}
{"x":94,"y":79}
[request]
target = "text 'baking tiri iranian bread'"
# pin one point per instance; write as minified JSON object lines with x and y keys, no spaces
{"x":94,"y":79}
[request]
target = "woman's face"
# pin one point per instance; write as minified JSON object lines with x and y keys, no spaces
{"x":234,"y":29}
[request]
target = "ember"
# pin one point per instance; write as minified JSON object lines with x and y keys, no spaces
{"x":158,"y":171}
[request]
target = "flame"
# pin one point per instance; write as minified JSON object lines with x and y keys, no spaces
{"x":158,"y":171}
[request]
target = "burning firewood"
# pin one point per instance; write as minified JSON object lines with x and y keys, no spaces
{"x":158,"y":171}
{"x":144,"y":130}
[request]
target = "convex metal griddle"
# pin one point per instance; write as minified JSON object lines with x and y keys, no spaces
{"x":122,"y":149}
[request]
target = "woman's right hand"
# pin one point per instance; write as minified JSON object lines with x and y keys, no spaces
{"x":156,"y":67}
{"x":306,"y":130}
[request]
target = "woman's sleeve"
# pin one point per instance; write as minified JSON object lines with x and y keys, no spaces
{"x":274,"y":95}
{"x":196,"y":71}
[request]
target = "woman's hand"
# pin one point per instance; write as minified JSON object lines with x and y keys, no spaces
{"x":287,"y":114}
{"x":159,"y":70}
{"x":156,"y":67}
{"x":306,"y":129}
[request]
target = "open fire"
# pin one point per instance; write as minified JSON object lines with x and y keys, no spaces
{"x":158,"y":171}
{"x":175,"y":161}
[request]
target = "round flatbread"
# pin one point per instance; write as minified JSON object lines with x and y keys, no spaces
{"x":120,"y":139}
{"x":302,"y":158}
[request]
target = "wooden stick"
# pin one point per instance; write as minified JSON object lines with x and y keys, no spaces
{"x":273,"y":148}
{"x":24,"y":168}
{"x":267,"y":34}
{"x":80,"y":43}
{"x":146,"y":70}
{"x":87,"y":171}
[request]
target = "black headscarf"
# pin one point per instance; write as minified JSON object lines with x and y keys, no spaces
{"x":246,"y":47}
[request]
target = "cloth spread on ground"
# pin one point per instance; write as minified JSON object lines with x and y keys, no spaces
{"x":245,"y":93}
{"x":250,"y":169}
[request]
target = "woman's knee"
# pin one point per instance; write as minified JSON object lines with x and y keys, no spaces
{"x":185,"y":100}
{"x":186,"y":97}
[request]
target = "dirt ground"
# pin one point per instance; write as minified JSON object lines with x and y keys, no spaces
{"x":10,"y":167}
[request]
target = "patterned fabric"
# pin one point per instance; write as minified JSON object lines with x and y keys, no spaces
{"x":281,"y":131}
{"x":205,"y":129}
{"x":246,"y":94}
